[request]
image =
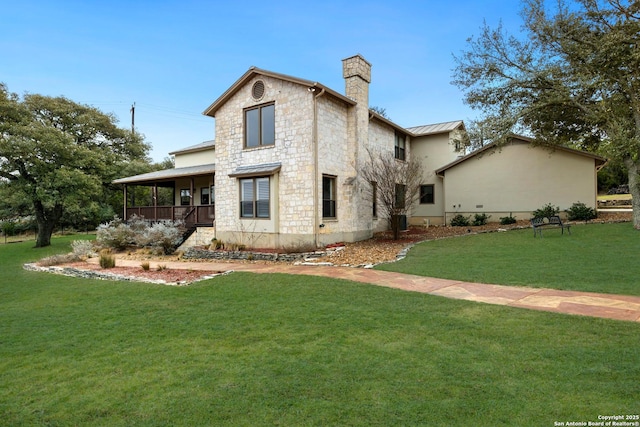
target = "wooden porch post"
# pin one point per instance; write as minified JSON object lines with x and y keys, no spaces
{"x":155,"y":201}
{"x":191,"y":190}
{"x":125,"y":203}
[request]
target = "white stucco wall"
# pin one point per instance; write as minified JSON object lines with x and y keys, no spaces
{"x":518,"y":179}
{"x":434,"y":151}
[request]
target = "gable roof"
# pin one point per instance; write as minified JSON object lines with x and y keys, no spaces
{"x":599,"y":161}
{"x":252,"y":72}
{"x":168,"y":174}
{"x":206,"y":145}
{"x":436,"y":128}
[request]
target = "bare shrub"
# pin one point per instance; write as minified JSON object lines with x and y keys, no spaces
{"x":58,"y":259}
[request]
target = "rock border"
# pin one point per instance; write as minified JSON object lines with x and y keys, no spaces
{"x":100,"y":275}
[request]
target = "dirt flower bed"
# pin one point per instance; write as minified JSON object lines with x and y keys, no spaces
{"x":167,"y":275}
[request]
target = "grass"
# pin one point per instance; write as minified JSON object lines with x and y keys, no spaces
{"x":595,"y":258}
{"x":614,"y":197}
{"x":243,"y":350}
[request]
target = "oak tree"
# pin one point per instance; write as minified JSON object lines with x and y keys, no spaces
{"x":572,"y":79}
{"x":59,"y":155}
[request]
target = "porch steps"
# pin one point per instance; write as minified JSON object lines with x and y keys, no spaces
{"x":197,"y":235}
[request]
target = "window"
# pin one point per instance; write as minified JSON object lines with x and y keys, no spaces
{"x":204,"y":196}
{"x":328,"y":197}
{"x":254,"y":198}
{"x":374,"y":197}
{"x":401,"y":191}
{"x":400,"y":146}
{"x":185,"y":197}
{"x":260,"y":126}
{"x":426,"y":194}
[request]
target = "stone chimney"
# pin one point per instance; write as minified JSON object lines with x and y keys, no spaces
{"x":357,"y":75}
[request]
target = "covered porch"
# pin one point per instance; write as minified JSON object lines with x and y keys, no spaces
{"x":181,"y":194}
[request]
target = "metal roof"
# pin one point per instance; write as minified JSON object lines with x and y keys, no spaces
{"x":193,"y":148}
{"x":168,"y":174}
{"x":263,"y":169}
{"x":436,"y":128}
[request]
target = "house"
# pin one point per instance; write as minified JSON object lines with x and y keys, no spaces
{"x":283,"y":171}
{"x":517,"y":178}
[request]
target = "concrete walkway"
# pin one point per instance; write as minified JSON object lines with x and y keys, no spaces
{"x":619,"y":307}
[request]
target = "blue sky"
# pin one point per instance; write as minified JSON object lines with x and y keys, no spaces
{"x":174,"y":58}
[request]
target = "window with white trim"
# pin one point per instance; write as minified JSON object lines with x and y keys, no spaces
{"x":185,"y":197}
{"x":254,"y":197}
{"x":204,"y":195}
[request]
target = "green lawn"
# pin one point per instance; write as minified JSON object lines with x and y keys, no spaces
{"x":595,"y":257}
{"x":248,"y":350}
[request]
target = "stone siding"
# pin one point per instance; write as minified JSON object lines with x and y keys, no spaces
{"x":291,"y":194}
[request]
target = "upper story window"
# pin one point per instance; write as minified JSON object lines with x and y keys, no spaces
{"x":260,"y":126}
{"x":400,"y":146}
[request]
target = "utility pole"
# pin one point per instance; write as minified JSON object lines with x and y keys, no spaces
{"x":133,"y":118}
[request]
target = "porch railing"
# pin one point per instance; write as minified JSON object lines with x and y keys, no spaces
{"x":191,"y":215}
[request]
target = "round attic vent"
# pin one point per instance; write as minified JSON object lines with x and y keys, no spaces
{"x":258,"y":90}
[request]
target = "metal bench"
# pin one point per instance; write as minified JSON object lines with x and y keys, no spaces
{"x":548,"y":222}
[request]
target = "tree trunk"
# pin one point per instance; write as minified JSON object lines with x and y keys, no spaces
{"x":395,"y":226}
{"x":45,"y":230}
{"x":46,"y":220}
{"x":634,"y":189}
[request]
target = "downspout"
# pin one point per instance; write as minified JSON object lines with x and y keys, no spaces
{"x":316,"y":167}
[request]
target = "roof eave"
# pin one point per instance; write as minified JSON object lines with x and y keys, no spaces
{"x":599,"y":160}
{"x":253,"y":71}
{"x":374,"y":115}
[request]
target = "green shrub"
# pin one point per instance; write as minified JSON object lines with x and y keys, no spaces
{"x":506,"y":220}
{"x":460,"y":221}
{"x":480,"y":219}
{"x":580,"y":212}
{"x":546,"y":211}
{"x":9,"y":228}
